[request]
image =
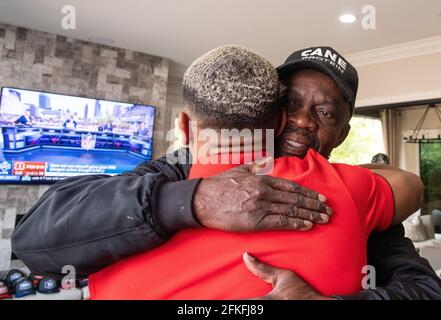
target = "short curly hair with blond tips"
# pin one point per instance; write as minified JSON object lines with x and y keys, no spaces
{"x":231,"y":87}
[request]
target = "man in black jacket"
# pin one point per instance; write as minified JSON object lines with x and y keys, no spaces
{"x":92,"y":221}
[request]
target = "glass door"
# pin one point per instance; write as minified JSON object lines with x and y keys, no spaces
{"x":430,"y":172}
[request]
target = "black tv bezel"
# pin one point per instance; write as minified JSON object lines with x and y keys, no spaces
{"x":46,"y":182}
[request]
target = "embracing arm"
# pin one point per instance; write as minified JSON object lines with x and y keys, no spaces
{"x":407,"y":189}
{"x":92,"y":221}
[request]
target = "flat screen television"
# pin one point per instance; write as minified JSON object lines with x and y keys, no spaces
{"x":45,"y":137}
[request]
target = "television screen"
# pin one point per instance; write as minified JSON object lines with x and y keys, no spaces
{"x":47,"y":137}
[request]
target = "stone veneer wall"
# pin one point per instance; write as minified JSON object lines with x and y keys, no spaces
{"x":37,"y":60}
{"x":14,"y":202}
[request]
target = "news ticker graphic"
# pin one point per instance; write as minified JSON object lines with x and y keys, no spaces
{"x":36,"y":171}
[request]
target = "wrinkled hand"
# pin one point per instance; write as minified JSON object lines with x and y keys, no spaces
{"x":287,"y":285}
{"x":239,"y":200}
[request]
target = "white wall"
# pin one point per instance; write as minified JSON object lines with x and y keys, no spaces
{"x":402,"y":73}
{"x":402,"y":80}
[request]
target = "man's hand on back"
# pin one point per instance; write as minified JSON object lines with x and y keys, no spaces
{"x":239,"y":200}
{"x":287,"y":285}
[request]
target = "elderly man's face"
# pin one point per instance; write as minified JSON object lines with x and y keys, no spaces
{"x":318,"y":116}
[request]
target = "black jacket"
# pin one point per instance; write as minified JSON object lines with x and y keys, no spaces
{"x":92,"y":221}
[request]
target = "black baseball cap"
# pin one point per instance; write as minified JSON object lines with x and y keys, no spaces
{"x":23,"y":287}
{"x":47,"y":285}
{"x":328,"y":61}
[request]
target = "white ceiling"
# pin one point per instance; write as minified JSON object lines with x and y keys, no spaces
{"x":184,"y":29}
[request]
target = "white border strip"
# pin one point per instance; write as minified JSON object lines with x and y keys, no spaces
{"x":396,"y":52}
{"x":397,"y":99}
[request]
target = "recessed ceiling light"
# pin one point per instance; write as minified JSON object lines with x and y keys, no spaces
{"x":347,"y":18}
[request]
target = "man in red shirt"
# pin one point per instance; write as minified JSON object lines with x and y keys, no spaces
{"x":231,"y":87}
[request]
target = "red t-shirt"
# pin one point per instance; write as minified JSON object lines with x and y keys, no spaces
{"x":207,"y":264}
